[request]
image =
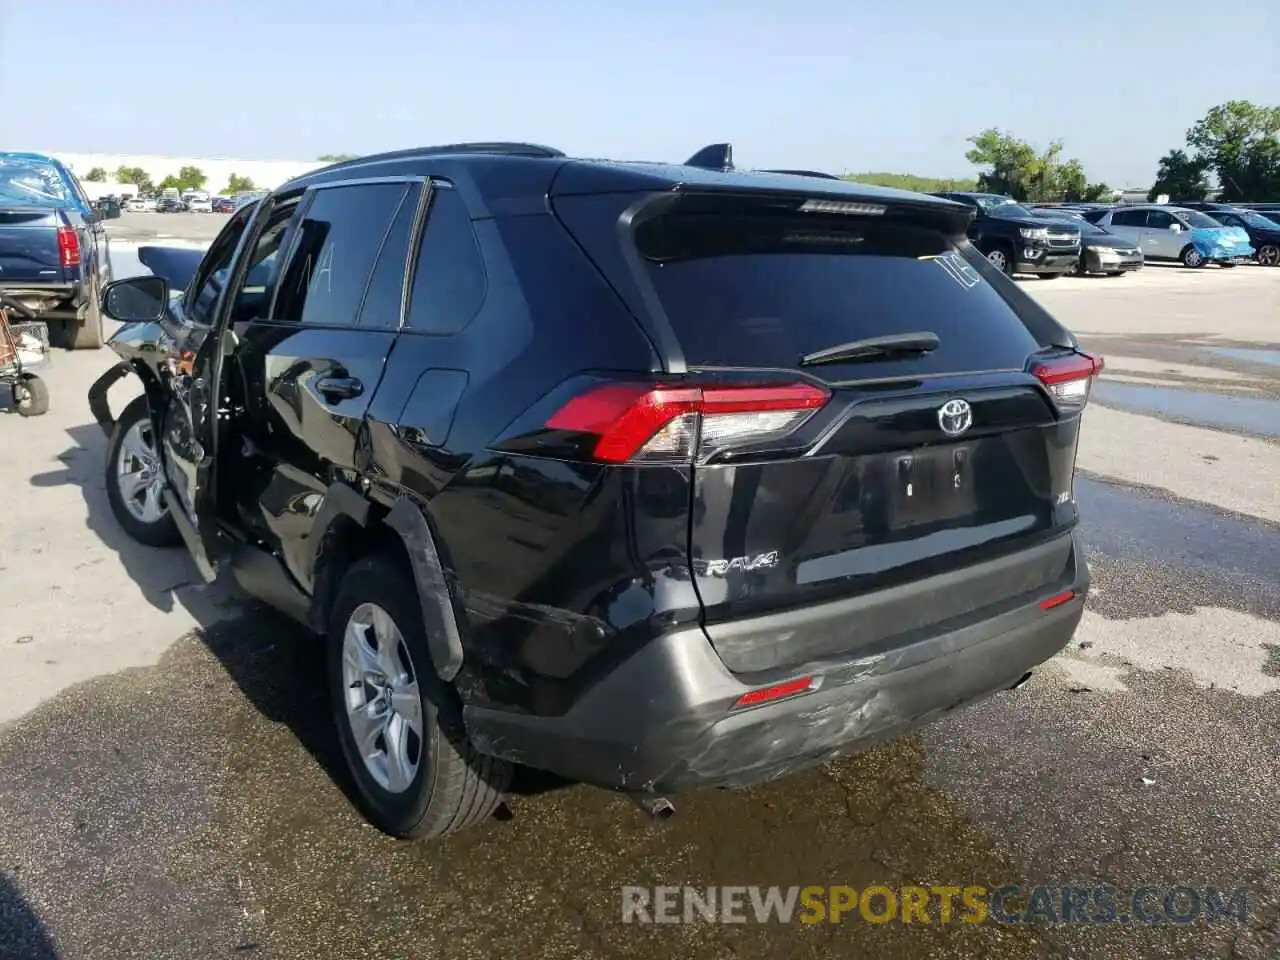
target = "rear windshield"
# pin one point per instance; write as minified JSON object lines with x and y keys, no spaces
{"x":762,"y":291}
{"x":32,"y":183}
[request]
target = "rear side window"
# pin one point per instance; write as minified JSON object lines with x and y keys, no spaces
{"x":449,"y":279}
{"x":1129,"y":218}
{"x":764,"y":290}
{"x":338,"y":241}
{"x":383,"y":299}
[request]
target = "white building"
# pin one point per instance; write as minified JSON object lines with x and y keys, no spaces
{"x":266,"y":174}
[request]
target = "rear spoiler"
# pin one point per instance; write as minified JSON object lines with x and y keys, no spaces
{"x":719,"y":156}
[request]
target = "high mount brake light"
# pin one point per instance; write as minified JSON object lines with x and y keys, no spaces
{"x":1069,"y":379}
{"x":646,"y":423}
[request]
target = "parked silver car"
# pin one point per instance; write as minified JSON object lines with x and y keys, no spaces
{"x":1164,"y":232}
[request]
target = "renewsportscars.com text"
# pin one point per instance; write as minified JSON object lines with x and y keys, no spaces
{"x":938,"y":904}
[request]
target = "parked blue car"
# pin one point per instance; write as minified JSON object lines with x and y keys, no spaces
{"x":54,"y":253}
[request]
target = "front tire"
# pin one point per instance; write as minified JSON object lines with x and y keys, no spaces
{"x":400,"y":726}
{"x":1001,"y":259}
{"x":135,"y":481}
{"x":1269,"y":255}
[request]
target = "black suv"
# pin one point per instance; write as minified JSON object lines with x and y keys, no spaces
{"x":653,"y":476}
{"x":1015,"y":240}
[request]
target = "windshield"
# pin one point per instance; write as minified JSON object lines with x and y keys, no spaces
{"x":1197,"y":220}
{"x":32,"y":183}
{"x":1258,"y":220}
{"x":1005,"y":208}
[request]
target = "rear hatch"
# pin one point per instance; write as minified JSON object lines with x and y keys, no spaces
{"x":29,"y":245}
{"x":878,"y":407}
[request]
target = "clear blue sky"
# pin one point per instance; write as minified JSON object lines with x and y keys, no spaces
{"x":837,"y":85}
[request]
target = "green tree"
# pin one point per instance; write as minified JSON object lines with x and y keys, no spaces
{"x":909,"y":181}
{"x":1240,"y":142}
{"x":137,"y":176}
{"x":1180,"y":177}
{"x":239,"y":184}
{"x":96,"y":175}
{"x":191,"y":178}
{"x":1014,"y":167}
{"x":169,"y":183}
{"x":336,"y":157}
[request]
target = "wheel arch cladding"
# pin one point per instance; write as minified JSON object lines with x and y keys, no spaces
{"x":439,"y":615}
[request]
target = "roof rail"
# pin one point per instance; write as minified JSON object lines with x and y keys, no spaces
{"x":500,"y":148}
{"x":717,"y":156}
{"x":497,"y":146}
{"x":805,"y":173}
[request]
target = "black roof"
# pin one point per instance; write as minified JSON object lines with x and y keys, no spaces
{"x":493,"y":176}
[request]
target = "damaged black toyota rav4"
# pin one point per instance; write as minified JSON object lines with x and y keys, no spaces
{"x":657,"y":477}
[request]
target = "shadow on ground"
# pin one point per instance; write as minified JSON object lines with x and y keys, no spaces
{"x":22,"y":935}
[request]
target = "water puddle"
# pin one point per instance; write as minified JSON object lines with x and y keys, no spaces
{"x":1249,"y":355}
{"x":1260,"y":417}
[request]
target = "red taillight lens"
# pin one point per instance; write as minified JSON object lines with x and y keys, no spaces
{"x":776,"y":692}
{"x":1057,"y":600}
{"x":1069,"y":378}
{"x":678,"y":423}
{"x":68,"y":246}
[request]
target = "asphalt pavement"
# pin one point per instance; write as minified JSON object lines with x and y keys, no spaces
{"x":170,"y":788}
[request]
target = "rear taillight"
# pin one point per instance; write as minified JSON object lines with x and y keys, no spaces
{"x":644,"y":422}
{"x":1068,"y":379}
{"x":68,"y":247}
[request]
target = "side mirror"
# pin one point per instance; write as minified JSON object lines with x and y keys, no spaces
{"x":1175,"y":227}
{"x":136,"y":300}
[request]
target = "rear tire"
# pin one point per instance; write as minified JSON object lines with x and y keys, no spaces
{"x":1269,"y":255}
{"x":87,"y":334}
{"x":1190,"y":257}
{"x":417,"y":774}
{"x":136,"y":502}
{"x":30,"y":395}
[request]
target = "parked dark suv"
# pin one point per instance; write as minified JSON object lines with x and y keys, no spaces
{"x":1017,"y":241}
{"x":656,"y":477}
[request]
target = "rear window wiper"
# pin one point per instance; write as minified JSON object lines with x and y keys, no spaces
{"x":874,"y":348}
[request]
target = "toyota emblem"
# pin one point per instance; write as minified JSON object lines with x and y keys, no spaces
{"x":955,"y":417}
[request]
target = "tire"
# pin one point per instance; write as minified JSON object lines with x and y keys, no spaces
{"x":141,"y":511}
{"x":1190,"y":257}
{"x":31,"y":395}
{"x":1002,"y":259}
{"x":1269,"y":255}
{"x":87,"y":332}
{"x":444,"y":784}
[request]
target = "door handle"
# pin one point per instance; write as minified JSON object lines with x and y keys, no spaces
{"x":334,"y":389}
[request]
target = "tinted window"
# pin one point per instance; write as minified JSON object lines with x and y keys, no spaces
{"x":448,"y":281}
{"x":381,"y":308}
{"x":213,"y":273}
{"x":1160,"y":220}
{"x":338,"y":240}
{"x":1129,"y":218}
{"x":762,"y":290}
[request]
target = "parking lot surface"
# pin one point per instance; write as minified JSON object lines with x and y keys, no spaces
{"x":169,"y":786}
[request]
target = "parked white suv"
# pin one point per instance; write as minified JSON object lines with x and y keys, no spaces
{"x":200,"y":205}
